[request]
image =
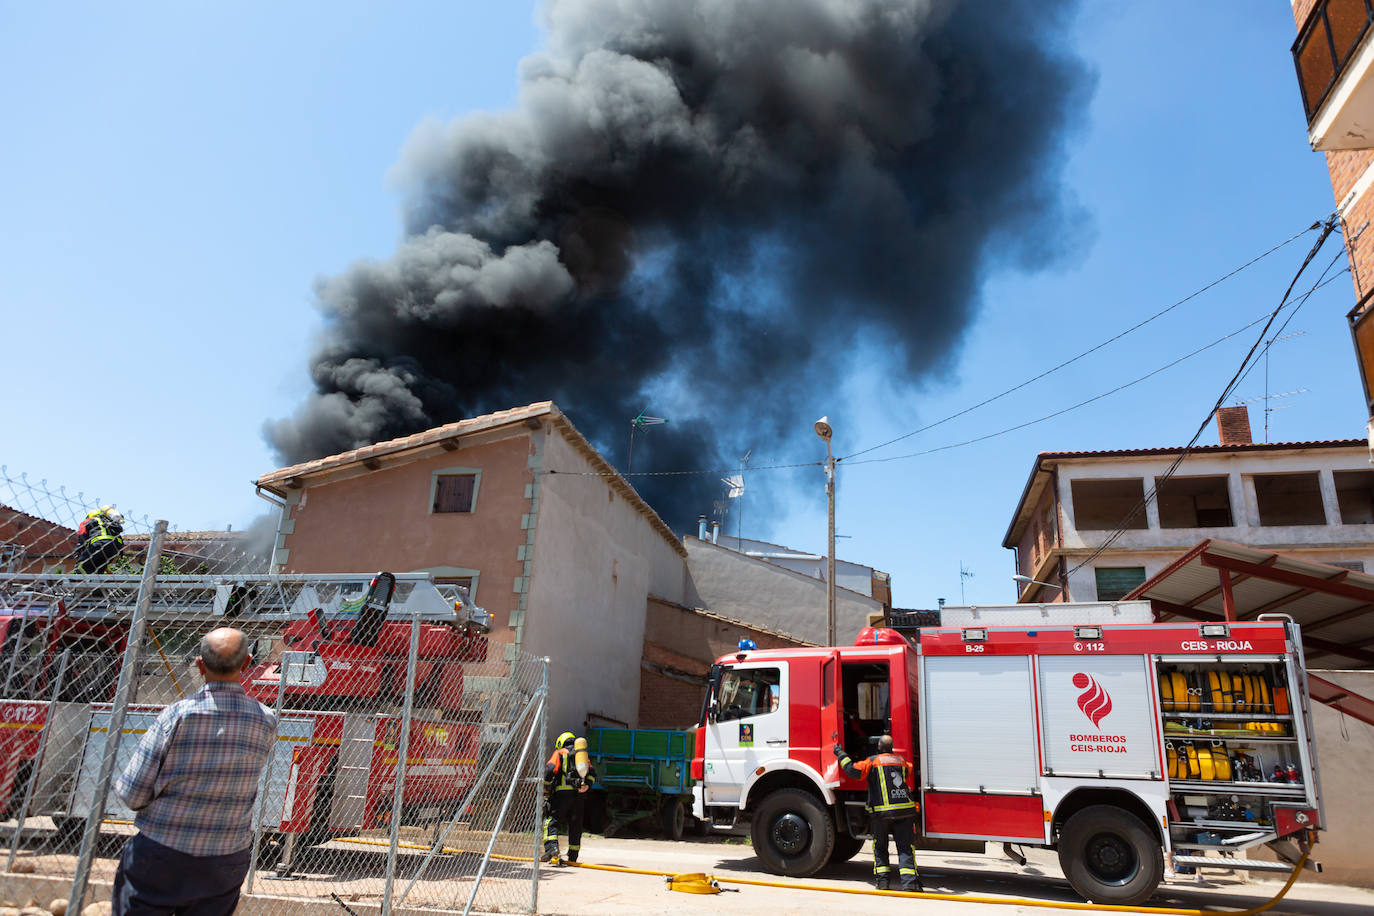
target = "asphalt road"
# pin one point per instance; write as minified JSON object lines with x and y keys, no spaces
{"x":574,"y":890}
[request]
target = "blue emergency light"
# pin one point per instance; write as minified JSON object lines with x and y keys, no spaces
{"x":746,"y":645}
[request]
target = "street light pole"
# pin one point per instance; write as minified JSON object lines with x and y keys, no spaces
{"x":822,"y":427}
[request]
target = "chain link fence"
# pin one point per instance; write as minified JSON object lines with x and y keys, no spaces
{"x":406,"y":772}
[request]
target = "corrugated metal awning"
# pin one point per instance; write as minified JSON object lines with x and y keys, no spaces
{"x":1334,"y":607}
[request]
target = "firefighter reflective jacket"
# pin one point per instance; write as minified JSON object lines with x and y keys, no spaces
{"x":889,"y":783}
{"x":561,"y":776}
{"x":97,"y":528}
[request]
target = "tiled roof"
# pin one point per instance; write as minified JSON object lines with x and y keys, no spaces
{"x":1174,"y":450}
{"x":173,"y":535}
{"x":281,"y":479}
{"x":405,"y":443}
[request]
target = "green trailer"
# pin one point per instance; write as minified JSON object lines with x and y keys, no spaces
{"x":645,"y":773}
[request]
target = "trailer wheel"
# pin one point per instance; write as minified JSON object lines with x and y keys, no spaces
{"x":1109,"y":856}
{"x":318,"y":830}
{"x":847,"y":846}
{"x":792,"y":833}
{"x":18,"y":789}
{"x":672,"y":818}
{"x":69,"y":831}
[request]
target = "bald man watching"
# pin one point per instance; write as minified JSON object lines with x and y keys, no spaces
{"x":192,"y":781}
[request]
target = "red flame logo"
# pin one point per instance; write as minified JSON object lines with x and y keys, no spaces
{"x":1094,"y":701}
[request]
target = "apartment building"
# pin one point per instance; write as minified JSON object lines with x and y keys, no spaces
{"x":1091,"y":526}
{"x":1334,"y":58}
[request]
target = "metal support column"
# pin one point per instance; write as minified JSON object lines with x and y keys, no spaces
{"x":543,"y":714}
{"x":124,"y":693}
{"x":402,"y":758}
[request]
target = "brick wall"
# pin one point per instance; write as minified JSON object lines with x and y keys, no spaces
{"x":1346,"y":169}
{"x":1233,"y":425}
{"x":679,"y":646}
{"x":1300,"y":10}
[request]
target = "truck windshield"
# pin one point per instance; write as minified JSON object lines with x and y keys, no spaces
{"x":748,"y":692}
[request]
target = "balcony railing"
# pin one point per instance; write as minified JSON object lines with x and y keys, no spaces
{"x":1325,"y":44}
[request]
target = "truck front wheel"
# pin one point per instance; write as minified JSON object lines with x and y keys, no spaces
{"x":1109,"y":856}
{"x":793,"y":833}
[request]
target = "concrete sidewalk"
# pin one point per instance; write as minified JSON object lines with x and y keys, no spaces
{"x":577,"y":891}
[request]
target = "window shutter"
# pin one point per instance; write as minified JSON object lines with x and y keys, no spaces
{"x":1115,"y":582}
{"x":453,"y":493}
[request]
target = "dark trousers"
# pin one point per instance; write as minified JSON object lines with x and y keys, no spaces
{"x":900,"y":830}
{"x":94,"y":559}
{"x":564,"y":810}
{"x":154,"y":880}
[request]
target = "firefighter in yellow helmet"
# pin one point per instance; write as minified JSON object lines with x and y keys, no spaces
{"x":565,"y":798}
{"x":891,"y":811}
{"x":99,"y":540}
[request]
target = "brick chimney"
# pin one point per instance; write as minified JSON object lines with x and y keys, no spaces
{"x":1233,"y":425}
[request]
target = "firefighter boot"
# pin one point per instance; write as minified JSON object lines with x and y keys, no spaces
{"x":913,"y":886}
{"x":550,"y":853}
{"x":880,"y":882}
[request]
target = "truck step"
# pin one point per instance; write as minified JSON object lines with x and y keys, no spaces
{"x":1231,"y":864}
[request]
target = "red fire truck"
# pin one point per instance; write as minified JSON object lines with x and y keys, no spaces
{"x":341,"y":680}
{"x":1117,"y":745}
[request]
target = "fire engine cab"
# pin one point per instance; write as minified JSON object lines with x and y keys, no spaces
{"x":1116,"y":744}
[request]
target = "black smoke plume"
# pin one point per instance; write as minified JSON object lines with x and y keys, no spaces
{"x":703,"y":209}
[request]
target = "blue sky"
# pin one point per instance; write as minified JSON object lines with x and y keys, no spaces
{"x":174,"y":179}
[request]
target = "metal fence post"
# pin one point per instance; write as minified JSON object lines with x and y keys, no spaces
{"x":264,"y":784}
{"x":402,"y":758}
{"x":539,"y":798}
{"x":501,"y":815}
{"x":123,"y":694}
{"x":37,"y":759}
{"x":472,"y":793}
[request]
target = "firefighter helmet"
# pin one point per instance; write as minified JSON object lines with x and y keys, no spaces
{"x":113,"y":514}
{"x":565,"y":740}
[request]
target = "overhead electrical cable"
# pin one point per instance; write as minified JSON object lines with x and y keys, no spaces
{"x":1072,"y":407}
{"x":976,"y":439}
{"x":849,"y":459}
{"x":1110,"y":340}
{"x":1226,"y":392}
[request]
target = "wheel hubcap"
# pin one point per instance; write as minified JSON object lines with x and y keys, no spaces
{"x":1111,"y":859}
{"x":790,"y":833}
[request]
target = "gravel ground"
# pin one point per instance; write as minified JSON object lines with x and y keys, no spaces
{"x":354,"y":872}
{"x":588,"y":891}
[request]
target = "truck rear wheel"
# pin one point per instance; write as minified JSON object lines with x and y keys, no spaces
{"x":792,"y":833}
{"x":672,"y":818}
{"x":1110,"y":856}
{"x":847,"y":846}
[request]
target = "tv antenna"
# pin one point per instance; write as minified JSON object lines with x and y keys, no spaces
{"x":964,"y":575}
{"x":641,"y":423}
{"x":1268,"y":344}
{"x":737,"y":490}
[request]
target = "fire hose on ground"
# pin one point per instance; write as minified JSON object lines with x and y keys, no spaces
{"x":701,"y":883}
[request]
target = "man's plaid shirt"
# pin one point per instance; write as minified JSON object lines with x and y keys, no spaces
{"x":194,"y":775}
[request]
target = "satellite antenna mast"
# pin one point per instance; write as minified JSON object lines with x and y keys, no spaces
{"x":739,"y":522}
{"x":640,"y":422}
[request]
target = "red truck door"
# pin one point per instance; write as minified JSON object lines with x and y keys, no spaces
{"x":832,"y":728}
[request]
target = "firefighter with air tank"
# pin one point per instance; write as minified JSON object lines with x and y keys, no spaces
{"x":567,"y":777}
{"x":891,"y":810}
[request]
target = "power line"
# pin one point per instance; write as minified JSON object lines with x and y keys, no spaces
{"x":1091,"y":350}
{"x":849,"y":459}
{"x":1072,"y":407}
{"x":1267,"y":316}
{"x":1236,"y":377}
